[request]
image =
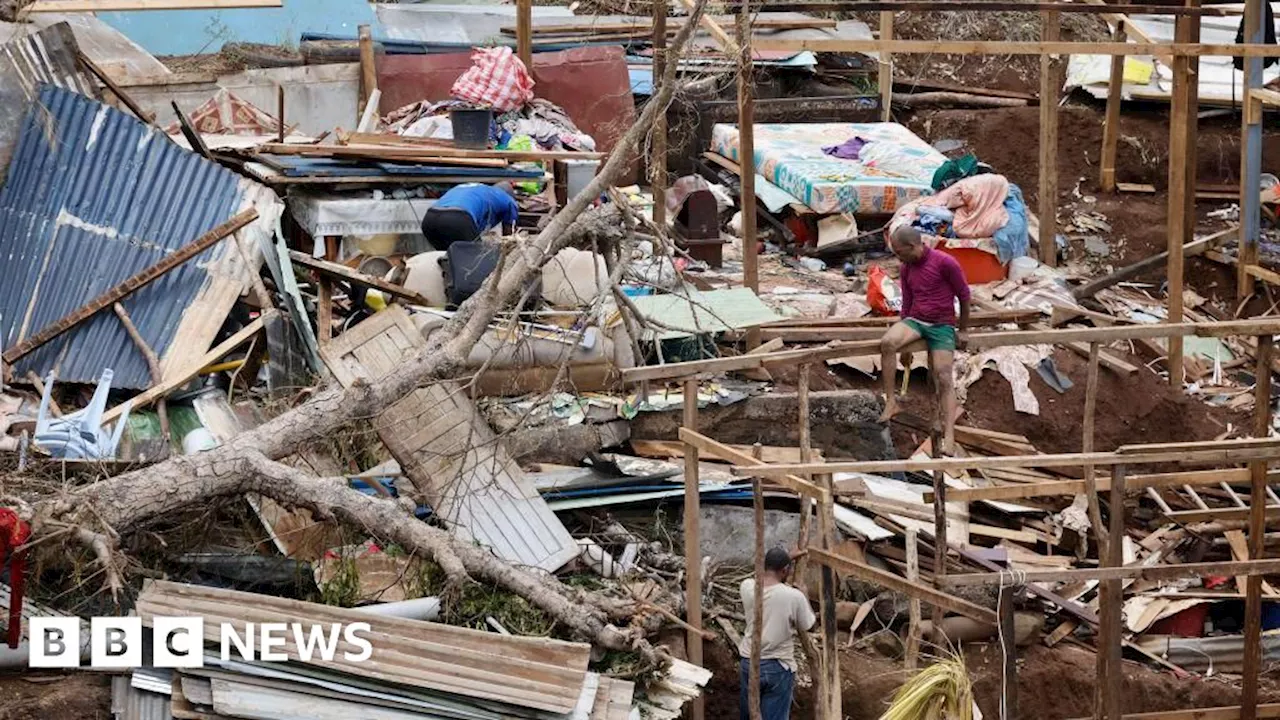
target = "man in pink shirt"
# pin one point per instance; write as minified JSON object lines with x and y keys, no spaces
{"x":932,"y":282}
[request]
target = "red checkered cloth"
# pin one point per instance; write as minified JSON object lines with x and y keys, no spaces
{"x":496,"y":79}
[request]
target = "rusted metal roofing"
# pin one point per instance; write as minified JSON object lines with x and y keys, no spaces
{"x":28,"y":59}
{"x":93,"y":196}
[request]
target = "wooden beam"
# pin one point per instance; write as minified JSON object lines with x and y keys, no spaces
{"x":524,"y":32}
{"x":1179,"y":231}
{"x":440,"y":148}
{"x":1257,"y":531}
{"x":1191,"y":249}
{"x":981,"y":318}
{"x":1271,"y":710}
{"x":184,"y":376}
{"x":1186,"y":517}
{"x":1135,"y":483}
{"x":343,"y":272}
{"x":675,"y":449}
{"x":890,"y":581}
{"x":1107,"y":10}
{"x":1050,"y":31}
{"x":1059,"y":336}
{"x":1111,"y":125}
{"x":1125,"y":572}
{"x":1226,"y":452}
{"x":711,"y":26}
{"x":1010,"y":47}
{"x":145,"y":116}
{"x":1009,"y":648}
{"x":702,"y":443}
{"x":886,"y":69}
{"x":75,"y":6}
{"x":1111,"y":605}
{"x":913,"y":607}
{"x":692,"y":539}
{"x":747,"y":155}
{"x":129,"y":286}
{"x":368,"y":71}
{"x":658,"y":154}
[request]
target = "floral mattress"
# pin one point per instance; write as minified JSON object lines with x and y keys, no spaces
{"x":894,"y":167}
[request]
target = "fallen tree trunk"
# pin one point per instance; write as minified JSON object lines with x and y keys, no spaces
{"x":1158,"y":261}
{"x":954,"y":100}
{"x":248,"y":462}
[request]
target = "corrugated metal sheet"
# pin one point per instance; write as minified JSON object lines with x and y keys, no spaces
{"x":92,"y":197}
{"x":27,"y":59}
{"x":130,"y":703}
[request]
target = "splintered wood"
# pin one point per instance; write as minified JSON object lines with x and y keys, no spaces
{"x":449,"y":452}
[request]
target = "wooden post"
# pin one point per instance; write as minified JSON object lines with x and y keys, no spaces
{"x":746,"y":152}
{"x":757,"y":596}
{"x":1250,"y":157}
{"x":1180,"y":193}
{"x":913,"y":608}
{"x":368,"y":70}
{"x":280,"y":131}
{"x":658,"y":155}
{"x":1111,"y":126}
{"x":524,"y":33}
{"x":939,"y":527}
{"x":1009,"y":653}
{"x":886,"y":68}
{"x":830,"y":706}
{"x":1110,"y":678}
{"x":806,"y":455}
{"x":1050,"y":30}
{"x":1257,"y":530}
{"x":1090,"y":482}
{"x":692,"y":542}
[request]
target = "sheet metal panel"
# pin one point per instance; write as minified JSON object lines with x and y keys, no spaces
{"x":92,"y":197}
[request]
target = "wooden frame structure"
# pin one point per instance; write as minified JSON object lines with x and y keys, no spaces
{"x":815,"y":484}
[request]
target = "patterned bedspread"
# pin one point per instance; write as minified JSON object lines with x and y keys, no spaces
{"x":893,"y":168}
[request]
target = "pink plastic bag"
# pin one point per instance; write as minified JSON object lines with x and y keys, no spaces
{"x":496,"y":79}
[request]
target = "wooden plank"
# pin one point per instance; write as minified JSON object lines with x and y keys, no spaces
{"x":693,"y":539}
{"x":1270,"y":710}
{"x":440,"y":148}
{"x":913,"y":607}
{"x":675,"y":449}
{"x":129,"y":286}
{"x":1111,"y":125}
{"x":385,"y":153}
{"x":1010,"y":47}
{"x":1265,"y":96}
{"x":888,"y":580}
{"x":1185,"y":517}
{"x":673,"y":25}
{"x":1135,"y":483}
{"x":1059,"y":336}
{"x":1050,"y":30}
{"x":178,"y":380}
{"x":1196,"y":247}
{"x":343,"y":272}
{"x":981,"y":318}
{"x":1125,"y":572}
{"x":1257,"y":530}
{"x":1224,"y":455}
{"x":76,"y":6}
{"x":1009,"y":647}
{"x":713,"y":448}
{"x":709,"y":24}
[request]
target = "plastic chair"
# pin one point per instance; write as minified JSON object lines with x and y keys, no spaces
{"x":80,"y":435}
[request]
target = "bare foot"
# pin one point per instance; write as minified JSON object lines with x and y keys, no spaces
{"x":890,"y":410}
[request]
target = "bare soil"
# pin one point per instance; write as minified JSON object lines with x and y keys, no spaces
{"x":1053,"y":683}
{"x":45,"y":696}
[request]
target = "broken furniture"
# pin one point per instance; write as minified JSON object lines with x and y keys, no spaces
{"x":80,"y":435}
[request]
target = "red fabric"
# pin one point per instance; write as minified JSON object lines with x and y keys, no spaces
{"x":496,"y":79}
{"x":13,"y":534}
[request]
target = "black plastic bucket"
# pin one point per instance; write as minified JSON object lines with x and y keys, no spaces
{"x":471,"y":128}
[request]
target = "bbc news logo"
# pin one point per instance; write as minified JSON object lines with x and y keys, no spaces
{"x":178,"y":642}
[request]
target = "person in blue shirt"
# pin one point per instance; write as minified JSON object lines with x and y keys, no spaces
{"x":466,"y":211}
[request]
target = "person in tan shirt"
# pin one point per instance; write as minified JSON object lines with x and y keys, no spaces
{"x":786,"y":612}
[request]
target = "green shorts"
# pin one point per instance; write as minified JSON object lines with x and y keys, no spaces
{"x":936,"y":337}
